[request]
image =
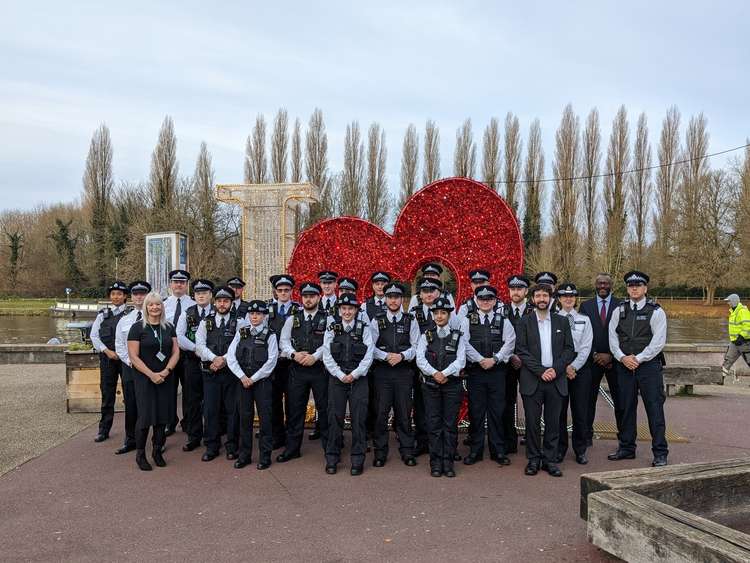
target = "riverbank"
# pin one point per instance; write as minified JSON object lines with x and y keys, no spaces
{"x":18,"y":307}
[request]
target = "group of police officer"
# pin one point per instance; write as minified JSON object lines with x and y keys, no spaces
{"x":239,"y":359}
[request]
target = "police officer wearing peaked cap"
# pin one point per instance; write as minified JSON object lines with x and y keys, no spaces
{"x":239,"y":305}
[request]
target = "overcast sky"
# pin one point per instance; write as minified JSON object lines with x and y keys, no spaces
{"x":66,"y":67}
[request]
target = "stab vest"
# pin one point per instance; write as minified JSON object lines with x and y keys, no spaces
{"x":487,"y":340}
{"x":308,"y":336}
{"x":193,"y":319}
{"x":634,"y":328}
{"x":441,"y":352}
{"x":393,"y":337}
{"x":423,"y":321}
{"x":348,"y":348}
{"x":252,"y":350}
{"x":275,"y":321}
{"x":240,"y":311}
{"x":109,"y":324}
{"x":217,"y":340}
{"x":372,"y":309}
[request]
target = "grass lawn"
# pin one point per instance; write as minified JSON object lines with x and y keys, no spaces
{"x":21,"y":306}
{"x":694,"y":309}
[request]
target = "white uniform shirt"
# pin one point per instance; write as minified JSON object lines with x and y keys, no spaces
{"x":331,"y":365}
{"x":509,"y":339}
{"x":170,"y":304}
{"x":273,"y":353}
{"x":121,"y":334}
{"x":583,"y":336}
{"x":285,"y":344}
{"x":95,"y":340}
{"x":455,"y":367}
{"x":181,"y":328}
{"x":658,"y":324}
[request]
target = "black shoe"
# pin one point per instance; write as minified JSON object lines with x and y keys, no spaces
{"x":158,"y":458}
{"x":621,"y":454}
{"x":436,"y":472}
{"x":101,"y":437}
{"x":331,"y":469}
{"x":285,"y":456}
{"x":125,"y":449}
{"x":659,"y":461}
{"x":532,"y":468}
{"x":231,"y":456}
{"x":209,"y":456}
{"x":378,"y":463}
{"x":410,"y":461}
{"x":502,"y":460}
{"x":191,"y":445}
{"x":552,"y":469}
{"x":356,"y":470}
{"x":261,"y":466}
{"x":581,"y":459}
{"x":471,"y":459}
{"x":142,"y":462}
{"x":314,"y":435}
{"x":240,"y":463}
{"x":449,"y":473}
{"x":169,"y":430}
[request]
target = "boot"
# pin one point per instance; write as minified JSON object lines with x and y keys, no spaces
{"x":140,"y":459}
{"x":158,"y":457}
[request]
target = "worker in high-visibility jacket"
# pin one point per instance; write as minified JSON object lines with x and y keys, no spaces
{"x":739,"y":333}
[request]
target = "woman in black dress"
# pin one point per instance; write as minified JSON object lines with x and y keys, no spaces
{"x":153,"y":350}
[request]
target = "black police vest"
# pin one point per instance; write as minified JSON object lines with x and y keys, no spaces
{"x":275,"y":321}
{"x":393,"y":337}
{"x":372,"y":309}
{"x":328,"y":311}
{"x":511,"y":317}
{"x":193,"y":319}
{"x":308,"y":336}
{"x":441,"y":352}
{"x":240,"y":311}
{"x":486,"y":339}
{"x":109,"y":324}
{"x":634,"y":328}
{"x":425,"y":323}
{"x":252,"y":350}
{"x":348,"y":348}
{"x":218,"y":340}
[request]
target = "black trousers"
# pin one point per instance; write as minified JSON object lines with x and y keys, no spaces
{"x":486,"y":401}
{"x":421,"y":433}
{"x":302,"y":380}
{"x":579,"y":394}
{"x":158,"y":437}
{"x":597,"y":373}
{"x":281,"y":407}
{"x":179,"y":374}
{"x":255,"y":398}
{"x":649,"y":381}
{"x":510,"y":434}
{"x":393,"y":390}
{"x":109,"y":371}
{"x":131,"y":406}
{"x":372,"y":405}
{"x":339,"y":394}
{"x":442,"y":404}
{"x":220,"y":388}
{"x":547,"y":398}
{"x":192,"y":395}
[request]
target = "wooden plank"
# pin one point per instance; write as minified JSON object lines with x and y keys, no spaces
{"x":84,"y":391}
{"x":637,"y":528}
{"x":81,"y":360}
{"x":84,"y":376}
{"x":91,"y":405}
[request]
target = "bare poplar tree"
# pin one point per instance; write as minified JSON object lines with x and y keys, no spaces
{"x":742,"y":218}
{"x":163,"y":176}
{"x":205,"y":216}
{"x":618,"y":161}
{"x":431,"y":164}
{"x":465,"y":154}
{"x":591,"y":159}
{"x":316,"y":168}
{"x":296,"y":152}
{"x":409,"y":165}
{"x":280,"y":147}
{"x":666,"y":190}
{"x":640,"y":187}
{"x":97,"y":191}
{"x":533,"y":173}
{"x":491,"y":155}
{"x":256,"y":164}
{"x":512,"y":168}
{"x":565,"y":196}
{"x":376,"y":184}
{"x":350,"y":198}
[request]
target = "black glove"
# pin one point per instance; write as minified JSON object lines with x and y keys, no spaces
{"x":740,"y":341}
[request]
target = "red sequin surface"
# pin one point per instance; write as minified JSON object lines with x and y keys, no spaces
{"x":455,"y":221}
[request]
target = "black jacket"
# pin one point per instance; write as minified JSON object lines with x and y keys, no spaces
{"x":529,"y":349}
{"x":601,"y":333}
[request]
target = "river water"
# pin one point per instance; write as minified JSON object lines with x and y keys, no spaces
{"x":28,"y":329}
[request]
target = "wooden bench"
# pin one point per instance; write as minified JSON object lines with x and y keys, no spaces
{"x":687,"y":376}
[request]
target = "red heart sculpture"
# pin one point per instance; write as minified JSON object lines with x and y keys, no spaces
{"x":455,"y":221}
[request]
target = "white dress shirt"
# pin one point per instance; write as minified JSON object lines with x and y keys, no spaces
{"x":583,"y":336}
{"x":455,"y":367}
{"x":95,"y":340}
{"x":285,"y":345}
{"x":658,"y":324}
{"x":273,"y":353}
{"x":201,"y":350}
{"x":170,"y":304}
{"x":545,"y":338}
{"x":328,"y":301}
{"x":509,"y":339}
{"x":409,"y":353}
{"x":121,"y":334}
{"x":181,"y":328}
{"x":331,"y":365}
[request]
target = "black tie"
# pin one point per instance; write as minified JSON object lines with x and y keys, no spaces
{"x":328,"y":304}
{"x":516,"y":313}
{"x":223,"y":324}
{"x":486,"y":320}
{"x":139,"y":316}
{"x":394,"y":319}
{"x":309,"y":318}
{"x":203,"y":314}
{"x":177,"y":311}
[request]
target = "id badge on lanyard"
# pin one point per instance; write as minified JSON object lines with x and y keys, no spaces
{"x":159,"y":355}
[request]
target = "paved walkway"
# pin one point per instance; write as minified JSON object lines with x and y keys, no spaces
{"x":80,"y":502}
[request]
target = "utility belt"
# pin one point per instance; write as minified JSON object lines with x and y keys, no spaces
{"x":430,"y":382}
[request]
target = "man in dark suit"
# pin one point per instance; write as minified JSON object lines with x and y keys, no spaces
{"x":545,"y":346}
{"x":599,"y":311}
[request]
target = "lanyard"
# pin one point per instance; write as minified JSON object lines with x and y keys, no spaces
{"x":157,"y":335}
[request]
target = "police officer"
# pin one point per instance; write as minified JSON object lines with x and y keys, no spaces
{"x":441,"y":355}
{"x":220,"y":386}
{"x":252,"y":357}
{"x":327,"y":279}
{"x":433,"y":271}
{"x":278,"y":311}
{"x":103,"y":339}
{"x":578,"y":374}
{"x":477,"y":278}
{"x":550,"y":279}
{"x":302,"y":343}
{"x":349,"y":285}
{"x":347,"y":355}
{"x":395,"y":335}
{"x":239,"y":306}
{"x":491,"y":341}
{"x":187,"y":325}
{"x":174,"y":305}
{"x":138,"y":291}
{"x":637,"y":334}
{"x":518,"y":288}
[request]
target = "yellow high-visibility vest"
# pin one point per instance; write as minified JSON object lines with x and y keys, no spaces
{"x":739,"y":323}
